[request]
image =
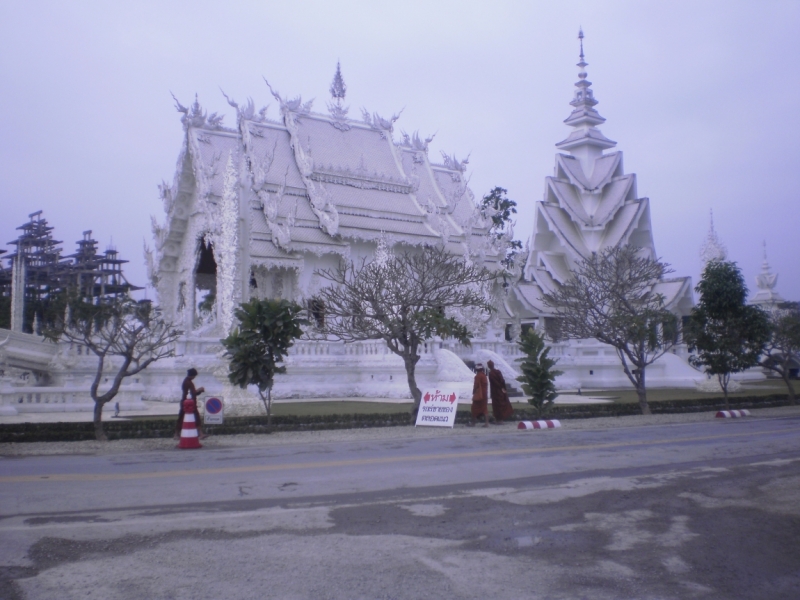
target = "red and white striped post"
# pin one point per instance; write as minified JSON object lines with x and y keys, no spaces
{"x":733,"y":414}
{"x":549,"y":424}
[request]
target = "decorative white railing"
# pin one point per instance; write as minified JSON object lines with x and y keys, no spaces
{"x":44,"y":396}
{"x":333,"y":348}
{"x":37,"y":399}
{"x":509,"y":350}
{"x":314,"y":348}
{"x":198,"y":346}
{"x":503,"y":348}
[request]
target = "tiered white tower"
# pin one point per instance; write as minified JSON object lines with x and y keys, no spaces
{"x":590,"y":204}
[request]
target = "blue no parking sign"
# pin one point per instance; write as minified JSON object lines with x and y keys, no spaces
{"x":214,"y":412}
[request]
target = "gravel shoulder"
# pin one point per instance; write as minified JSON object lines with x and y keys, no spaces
{"x":354,"y":435}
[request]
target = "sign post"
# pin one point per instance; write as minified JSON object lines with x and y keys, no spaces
{"x":214,"y":413}
{"x":437,"y":409}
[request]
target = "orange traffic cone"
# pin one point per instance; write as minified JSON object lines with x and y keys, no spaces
{"x":189,"y":435}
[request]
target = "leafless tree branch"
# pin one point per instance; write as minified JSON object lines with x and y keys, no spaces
{"x":610,"y":298}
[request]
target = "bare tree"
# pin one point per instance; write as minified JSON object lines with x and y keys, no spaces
{"x":610,"y":298}
{"x":402,"y":299}
{"x":123,"y":334}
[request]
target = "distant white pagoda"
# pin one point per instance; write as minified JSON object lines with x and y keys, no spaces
{"x":766,"y":281}
{"x":712,"y":248}
{"x":589,"y":204}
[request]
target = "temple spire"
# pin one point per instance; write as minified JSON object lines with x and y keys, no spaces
{"x":586,"y":141}
{"x":583,"y":100}
{"x":582,"y":64}
{"x":336,"y":109}
{"x":766,"y":282}
{"x":712,"y":248}
{"x":338,"y":87}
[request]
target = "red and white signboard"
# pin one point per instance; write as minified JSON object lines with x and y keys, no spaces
{"x":437,"y":408}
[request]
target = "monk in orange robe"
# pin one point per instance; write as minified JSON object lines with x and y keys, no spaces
{"x":501,"y":405}
{"x":480,"y":397}
{"x":190,"y":392}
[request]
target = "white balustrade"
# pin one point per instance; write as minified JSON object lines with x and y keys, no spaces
{"x":509,"y":350}
{"x":63,"y":399}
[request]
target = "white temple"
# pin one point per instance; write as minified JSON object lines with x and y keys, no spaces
{"x":254,"y":210}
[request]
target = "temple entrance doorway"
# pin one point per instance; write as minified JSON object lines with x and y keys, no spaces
{"x":205,"y":280}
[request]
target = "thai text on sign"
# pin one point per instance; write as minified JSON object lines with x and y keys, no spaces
{"x":437,"y":408}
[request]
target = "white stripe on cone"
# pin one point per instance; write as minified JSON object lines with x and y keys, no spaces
{"x":732,"y":414}
{"x":549,"y":424}
{"x":189,"y":434}
{"x":189,"y":429}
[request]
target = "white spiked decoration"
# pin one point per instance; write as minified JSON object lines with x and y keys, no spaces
{"x":227,"y":246}
{"x":383,"y":251}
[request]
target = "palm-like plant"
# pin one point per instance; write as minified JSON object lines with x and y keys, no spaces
{"x":267,"y":328}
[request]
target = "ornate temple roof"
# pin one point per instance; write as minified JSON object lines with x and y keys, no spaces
{"x":314,"y":182}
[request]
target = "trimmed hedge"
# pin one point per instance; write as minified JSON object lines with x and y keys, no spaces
{"x":165,"y":428}
{"x":657,"y":407}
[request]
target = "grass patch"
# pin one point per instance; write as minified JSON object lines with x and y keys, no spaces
{"x":325,"y":408}
{"x":338,"y":407}
{"x":625,"y":395}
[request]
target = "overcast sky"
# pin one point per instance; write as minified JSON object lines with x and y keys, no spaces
{"x":701,"y":97}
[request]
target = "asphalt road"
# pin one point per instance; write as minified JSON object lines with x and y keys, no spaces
{"x":701,"y":510}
